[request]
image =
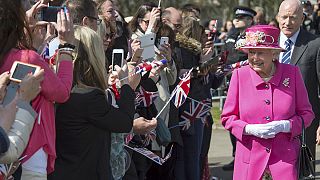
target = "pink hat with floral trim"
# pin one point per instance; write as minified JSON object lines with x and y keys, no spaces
{"x":260,"y":37}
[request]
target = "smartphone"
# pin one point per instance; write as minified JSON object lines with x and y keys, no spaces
{"x":49,"y":13}
{"x":19,"y":70}
{"x":147,"y":43}
{"x":164,"y":40}
{"x":117,"y":58}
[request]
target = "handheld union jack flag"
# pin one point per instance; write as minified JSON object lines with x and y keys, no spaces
{"x":191,"y":114}
{"x":196,"y":110}
{"x":145,"y":98}
{"x":180,"y":93}
{"x":207,"y":105}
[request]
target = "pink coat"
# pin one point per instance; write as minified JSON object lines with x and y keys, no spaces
{"x":54,"y":88}
{"x":252,"y":101}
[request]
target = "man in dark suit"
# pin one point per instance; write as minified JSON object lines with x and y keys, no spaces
{"x":302,"y":49}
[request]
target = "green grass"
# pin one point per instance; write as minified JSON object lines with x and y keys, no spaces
{"x":215,"y":111}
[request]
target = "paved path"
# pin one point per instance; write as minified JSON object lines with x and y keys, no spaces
{"x":220,"y":154}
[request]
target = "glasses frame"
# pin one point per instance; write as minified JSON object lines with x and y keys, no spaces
{"x":99,"y":21}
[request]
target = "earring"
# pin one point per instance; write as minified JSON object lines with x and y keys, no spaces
{"x":274,"y":60}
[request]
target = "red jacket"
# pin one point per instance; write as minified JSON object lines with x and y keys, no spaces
{"x":54,"y":88}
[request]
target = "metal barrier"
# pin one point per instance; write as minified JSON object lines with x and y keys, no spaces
{"x":221,"y":96}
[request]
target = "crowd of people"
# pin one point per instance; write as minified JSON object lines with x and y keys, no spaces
{"x":83,"y":116}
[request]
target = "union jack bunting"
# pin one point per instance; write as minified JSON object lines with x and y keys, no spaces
{"x":180,"y":93}
{"x":147,"y":153}
{"x":145,"y":98}
{"x":151,"y":136}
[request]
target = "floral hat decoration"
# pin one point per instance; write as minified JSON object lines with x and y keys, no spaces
{"x":259,"y":37}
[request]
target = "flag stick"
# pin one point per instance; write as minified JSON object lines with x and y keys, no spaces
{"x":164,"y":107}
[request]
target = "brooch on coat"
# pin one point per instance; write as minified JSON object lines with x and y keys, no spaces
{"x":286,"y":82}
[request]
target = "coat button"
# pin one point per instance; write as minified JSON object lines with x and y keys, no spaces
{"x":267,"y":101}
{"x":268,"y":118}
{"x":268,"y":150}
{"x":266,"y":86}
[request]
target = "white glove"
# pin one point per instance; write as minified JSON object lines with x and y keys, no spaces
{"x":280,"y":126}
{"x":260,"y":130}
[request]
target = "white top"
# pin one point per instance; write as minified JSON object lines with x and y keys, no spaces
{"x":282,"y":41}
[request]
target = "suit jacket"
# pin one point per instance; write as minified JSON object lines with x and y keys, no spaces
{"x":250,"y":100}
{"x":306,"y":55}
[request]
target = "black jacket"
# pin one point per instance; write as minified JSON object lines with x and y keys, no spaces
{"x":84,"y":125}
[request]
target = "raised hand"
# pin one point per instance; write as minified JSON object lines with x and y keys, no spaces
{"x":31,"y":13}
{"x":154,"y":19}
{"x":65,"y":27}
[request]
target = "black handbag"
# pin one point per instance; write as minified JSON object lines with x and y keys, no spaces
{"x":305,"y":166}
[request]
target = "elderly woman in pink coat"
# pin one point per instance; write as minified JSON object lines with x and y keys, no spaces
{"x":264,"y":109}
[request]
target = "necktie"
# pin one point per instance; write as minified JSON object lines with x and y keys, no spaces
{"x":286,"y":57}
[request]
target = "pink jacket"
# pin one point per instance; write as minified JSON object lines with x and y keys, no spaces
{"x":252,"y":101}
{"x":54,"y":88}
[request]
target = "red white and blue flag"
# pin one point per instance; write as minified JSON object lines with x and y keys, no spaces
{"x":196,"y":110}
{"x":145,"y":98}
{"x":152,"y":156}
{"x":207,"y":105}
{"x":180,"y":93}
{"x":147,"y":66}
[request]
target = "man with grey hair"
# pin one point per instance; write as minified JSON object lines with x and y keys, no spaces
{"x":302,"y":49}
{"x":172,"y":17}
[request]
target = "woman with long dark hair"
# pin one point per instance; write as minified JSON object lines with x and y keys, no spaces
{"x":15,"y":45}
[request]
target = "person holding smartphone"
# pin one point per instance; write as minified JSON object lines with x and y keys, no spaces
{"x":15,"y":45}
{"x":85,"y":121}
{"x":18,"y":116}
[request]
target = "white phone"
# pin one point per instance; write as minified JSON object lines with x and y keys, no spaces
{"x":117,"y":58}
{"x":147,"y":43}
{"x":19,"y":70}
{"x":164,"y":40}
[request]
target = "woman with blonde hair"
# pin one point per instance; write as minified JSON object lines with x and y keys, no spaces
{"x":85,"y":122}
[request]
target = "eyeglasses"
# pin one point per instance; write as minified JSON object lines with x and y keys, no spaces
{"x":99,"y":21}
{"x":145,"y":21}
{"x":177,"y":26}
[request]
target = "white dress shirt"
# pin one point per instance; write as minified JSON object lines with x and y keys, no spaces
{"x":282,"y":41}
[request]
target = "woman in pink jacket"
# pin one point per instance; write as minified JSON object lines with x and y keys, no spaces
{"x":264,"y":109}
{"x":40,"y":153}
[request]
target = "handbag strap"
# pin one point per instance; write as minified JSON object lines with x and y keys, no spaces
{"x":303,"y":136}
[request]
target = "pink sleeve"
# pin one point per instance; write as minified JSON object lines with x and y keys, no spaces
{"x":303,"y":106}
{"x":230,"y":114}
{"x":54,"y":87}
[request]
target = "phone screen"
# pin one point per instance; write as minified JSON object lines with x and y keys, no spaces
{"x":22,"y":70}
{"x":117,"y":59}
{"x":49,"y":13}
